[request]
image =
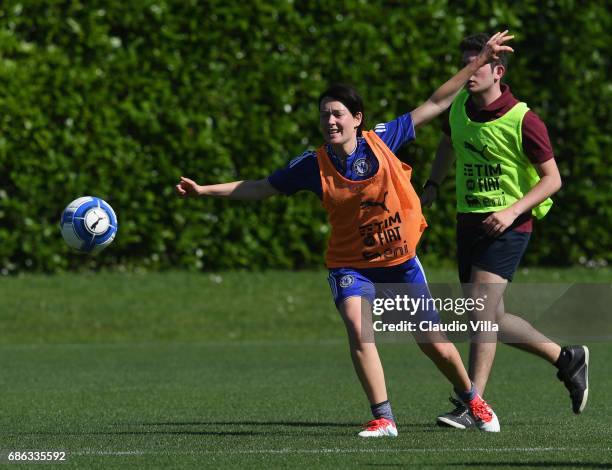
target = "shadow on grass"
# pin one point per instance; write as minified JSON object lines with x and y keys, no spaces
{"x":146,"y":433}
{"x":542,"y":464}
{"x":305,"y":424}
{"x":538,"y":464}
{"x":218,"y":432}
{"x":298,"y":424}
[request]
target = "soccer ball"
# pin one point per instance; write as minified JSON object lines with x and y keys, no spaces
{"x":88,"y":224}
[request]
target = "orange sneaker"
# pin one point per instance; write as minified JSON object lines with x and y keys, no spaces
{"x":381,"y":427}
{"x":483,"y":414}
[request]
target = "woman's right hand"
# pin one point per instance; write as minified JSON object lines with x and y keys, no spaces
{"x":188,"y":188}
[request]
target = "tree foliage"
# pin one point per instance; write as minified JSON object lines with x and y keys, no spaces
{"x":117,"y":99}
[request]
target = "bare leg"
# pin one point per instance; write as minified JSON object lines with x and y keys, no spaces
{"x":446,"y":358}
{"x":514,"y":330}
{"x":488,"y":286}
{"x":363,"y":349}
{"x":549,"y":351}
{"x":519,"y":333}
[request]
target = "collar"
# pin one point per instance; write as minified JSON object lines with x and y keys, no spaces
{"x":330,"y":150}
{"x":496,"y":109}
{"x":502,"y":101}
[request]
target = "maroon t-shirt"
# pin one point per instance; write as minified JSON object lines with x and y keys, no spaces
{"x":536,"y":145}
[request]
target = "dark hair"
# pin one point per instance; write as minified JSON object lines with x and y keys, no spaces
{"x":349,"y":97}
{"x":476,"y":42}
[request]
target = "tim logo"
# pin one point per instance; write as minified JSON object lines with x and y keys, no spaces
{"x":471,"y":148}
{"x":368,"y":204}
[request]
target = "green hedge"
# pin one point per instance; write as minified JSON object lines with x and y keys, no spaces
{"x":117,"y":99}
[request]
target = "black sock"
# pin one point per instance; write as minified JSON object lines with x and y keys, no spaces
{"x":382,"y":410}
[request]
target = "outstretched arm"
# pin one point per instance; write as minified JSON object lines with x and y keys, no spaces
{"x":444,"y":96}
{"x":249,"y":190}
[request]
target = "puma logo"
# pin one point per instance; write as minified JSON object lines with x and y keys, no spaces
{"x":367,"y":204}
{"x":95,"y":224}
{"x":471,"y":148}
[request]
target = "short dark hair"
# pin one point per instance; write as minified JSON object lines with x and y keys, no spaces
{"x":476,"y":42}
{"x":348,"y":96}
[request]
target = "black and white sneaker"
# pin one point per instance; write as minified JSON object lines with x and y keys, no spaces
{"x":459,"y":418}
{"x":574,"y":373}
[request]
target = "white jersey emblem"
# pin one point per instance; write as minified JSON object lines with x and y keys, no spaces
{"x":361,"y":167}
{"x":347,"y":280}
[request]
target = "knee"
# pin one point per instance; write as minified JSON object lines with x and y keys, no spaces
{"x":356,"y":340}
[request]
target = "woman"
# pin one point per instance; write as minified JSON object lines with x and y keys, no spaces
{"x":376,"y":223}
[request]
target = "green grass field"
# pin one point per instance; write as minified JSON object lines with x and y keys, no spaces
{"x":251,"y":370}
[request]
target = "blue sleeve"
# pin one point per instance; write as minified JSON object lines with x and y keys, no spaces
{"x":396,"y":133}
{"x":302,"y":173}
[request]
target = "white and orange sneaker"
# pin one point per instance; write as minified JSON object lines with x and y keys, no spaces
{"x":483,"y":414}
{"x":381,"y":427}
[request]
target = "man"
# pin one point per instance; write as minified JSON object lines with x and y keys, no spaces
{"x":506,"y":173}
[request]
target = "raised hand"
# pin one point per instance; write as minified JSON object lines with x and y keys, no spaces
{"x":495,"y":46}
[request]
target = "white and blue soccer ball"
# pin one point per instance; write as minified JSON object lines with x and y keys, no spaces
{"x":88,"y":224}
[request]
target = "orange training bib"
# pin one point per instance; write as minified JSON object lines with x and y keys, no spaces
{"x":376,"y":222}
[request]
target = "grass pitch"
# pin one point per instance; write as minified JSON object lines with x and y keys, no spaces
{"x":180,"y":370}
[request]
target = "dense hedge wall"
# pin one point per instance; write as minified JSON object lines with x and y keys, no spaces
{"x":117,"y":99}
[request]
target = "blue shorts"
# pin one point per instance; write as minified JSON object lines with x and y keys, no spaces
{"x":353,"y":282}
